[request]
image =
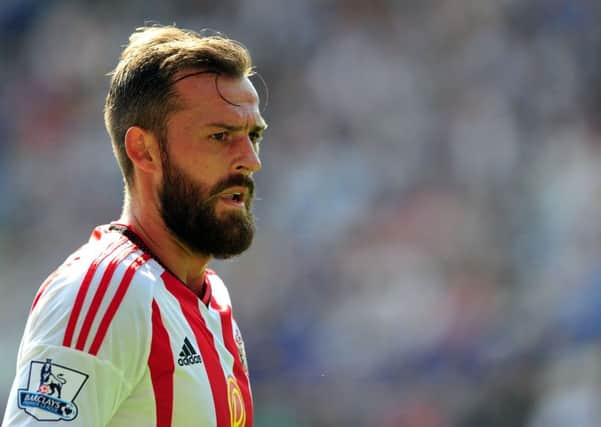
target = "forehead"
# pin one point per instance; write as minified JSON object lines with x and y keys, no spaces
{"x":210,"y":96}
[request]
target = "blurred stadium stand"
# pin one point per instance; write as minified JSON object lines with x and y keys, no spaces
{"x":429,"y":245}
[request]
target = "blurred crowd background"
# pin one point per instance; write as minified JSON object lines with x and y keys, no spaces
{"x":429,"y":224}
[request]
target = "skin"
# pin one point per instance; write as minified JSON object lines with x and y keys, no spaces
{"x":209,"y":139}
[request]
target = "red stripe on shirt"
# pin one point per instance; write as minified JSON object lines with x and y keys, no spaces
{"x":239,"y":373}
{"x":99,"y":295}
{"x":83,"y":289}
{"x":160,"y":363}
{"x":116,"y":302}
{"x":189,"y":304}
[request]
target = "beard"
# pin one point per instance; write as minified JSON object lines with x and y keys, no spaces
{"x":189,"y":212}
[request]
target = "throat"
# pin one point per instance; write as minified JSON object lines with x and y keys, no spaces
{"x":197,"y":284}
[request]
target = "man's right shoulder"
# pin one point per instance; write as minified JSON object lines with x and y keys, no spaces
{"x":90,"y":287}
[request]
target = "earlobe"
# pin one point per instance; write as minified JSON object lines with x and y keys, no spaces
{"x":142,"y":148}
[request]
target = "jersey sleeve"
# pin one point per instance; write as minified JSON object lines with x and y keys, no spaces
{"x":240,"y":345}
{"x":63,"y":373}
{"x":77,"y":388}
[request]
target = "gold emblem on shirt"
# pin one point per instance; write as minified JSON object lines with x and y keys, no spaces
{"x":236,"y":403}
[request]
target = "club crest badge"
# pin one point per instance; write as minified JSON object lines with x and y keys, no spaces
{"x":51,"y":391}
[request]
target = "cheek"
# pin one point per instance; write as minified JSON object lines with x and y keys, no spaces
{"x":201,"y":165}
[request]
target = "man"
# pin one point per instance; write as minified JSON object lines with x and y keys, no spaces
{"x":136,"y":327}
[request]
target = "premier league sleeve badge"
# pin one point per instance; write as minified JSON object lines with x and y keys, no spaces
{"x":51,"y":391}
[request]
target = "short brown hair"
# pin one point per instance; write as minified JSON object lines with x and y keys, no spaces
{"x":141,"y":89}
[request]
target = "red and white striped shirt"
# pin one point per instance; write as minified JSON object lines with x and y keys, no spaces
{"x":114,"y":339}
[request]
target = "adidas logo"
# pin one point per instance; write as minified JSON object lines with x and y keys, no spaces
{"x":188,"y":355}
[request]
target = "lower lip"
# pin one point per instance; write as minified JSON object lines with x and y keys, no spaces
{"x":233,"y":203}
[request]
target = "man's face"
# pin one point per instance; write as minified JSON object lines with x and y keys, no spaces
{"x":211,"y":151}
{"x":189,"y":210}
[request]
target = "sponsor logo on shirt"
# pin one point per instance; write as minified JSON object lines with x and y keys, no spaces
{"x":51,"y":391}
{"x":188,"y":355}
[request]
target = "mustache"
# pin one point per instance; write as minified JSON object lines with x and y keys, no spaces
{"x":234,"y":181}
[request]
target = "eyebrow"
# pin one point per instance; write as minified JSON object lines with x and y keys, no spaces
{"x":235,"y":128}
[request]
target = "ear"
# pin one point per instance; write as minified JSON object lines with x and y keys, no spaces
{"x":143,"y":149}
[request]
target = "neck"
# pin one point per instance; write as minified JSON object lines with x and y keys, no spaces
{"x":187,"y":266}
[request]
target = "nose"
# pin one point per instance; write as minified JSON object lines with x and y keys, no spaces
{"x":248,"y":160}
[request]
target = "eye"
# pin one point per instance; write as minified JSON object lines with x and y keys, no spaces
{"x":219,"y":136}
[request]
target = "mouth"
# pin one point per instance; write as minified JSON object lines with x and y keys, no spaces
{"x":235,"y":197}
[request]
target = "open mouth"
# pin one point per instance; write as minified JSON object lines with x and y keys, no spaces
{"x":235,"y":198}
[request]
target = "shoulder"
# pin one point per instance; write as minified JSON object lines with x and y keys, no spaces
{"x":107,"y":282}
{"x":220,"y":300}
{"x":97,"y":305}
